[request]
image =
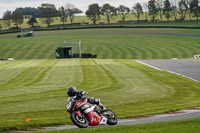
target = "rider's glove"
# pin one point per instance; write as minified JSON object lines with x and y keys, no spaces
{"x":101,"y":106}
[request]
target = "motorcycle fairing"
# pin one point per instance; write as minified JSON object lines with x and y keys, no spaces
{"x":103,"y":121}
{"x":94,"y":118}
{"x":80,"y":103}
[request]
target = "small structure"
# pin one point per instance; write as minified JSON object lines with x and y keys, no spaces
{"x":69,"y":50}
{"x":25,"y":33}
{"x":64,"y":52}
{"x":72,"y":50}
{"x":11,"y":59}
{"x":2,"y":59}
{"x":27,"y":16}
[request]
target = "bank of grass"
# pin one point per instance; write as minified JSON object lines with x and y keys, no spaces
{"x":114,"y":19}
{"x":37,"y":88}
{"x":105,"y":43}
{"x":186,"y":126}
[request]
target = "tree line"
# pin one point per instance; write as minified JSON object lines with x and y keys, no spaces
{"x":152,"y":9}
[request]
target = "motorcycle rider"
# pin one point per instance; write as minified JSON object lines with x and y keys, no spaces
{"x":82,"y":95}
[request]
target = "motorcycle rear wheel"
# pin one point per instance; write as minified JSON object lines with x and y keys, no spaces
{"x":111,"y":117}
{"x":79,"y":121}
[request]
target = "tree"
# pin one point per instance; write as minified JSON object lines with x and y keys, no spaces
{"x":108,"y":11}
{"x":182,"y":9}
{"x":47,"y":12}
{"x":63,"y":15}
{"x":153,"y":11}
{"x":145,"y":7}
{"x":28,"y":11}
{"x":194,"y":8}
{"x":71,"y":10}
{"x":7,"y":18}
{"x":174,"y":9}
{"x":159,"y":4}
{"x":137,"y":10}
{"x":167,"y":9}
{"x":187,"y":6}
{"x":17,"y":18}
{"x":93,"y":12}
{"x":32,"y":21}
{"x":123,"y":11}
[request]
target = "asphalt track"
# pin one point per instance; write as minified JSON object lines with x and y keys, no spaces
{"x":165,"y":34}
{"x":173,"y":116}
{"x":151,"y":34}
{"x":186,"y":67}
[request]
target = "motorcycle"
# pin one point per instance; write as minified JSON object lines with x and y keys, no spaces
{"x":84,"y":114}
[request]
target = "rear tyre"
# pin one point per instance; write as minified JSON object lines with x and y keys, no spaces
{"x":79,"y":121}
{"x":111,"y":117}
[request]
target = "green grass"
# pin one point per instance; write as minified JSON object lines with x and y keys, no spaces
{"x":35,"y":84}
{"x":38,"y":88}
{"x":106,"y":43}
{"x":186,"y":126}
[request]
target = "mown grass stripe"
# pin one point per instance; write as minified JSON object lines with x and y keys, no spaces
{"x":9,"y":48}
{"x":12,"y":69}
{"x":42,"y":74}
{"x":126,"y":54}
{"x":140,"y":51}
{"x":133,"y":51}
{"x":31,"y":50}
{"x":113,"y":52}
{"x":113,"y":82}
{"x":22,"y":49}
{"x":24,"y":77}
{"x":90,"y":73}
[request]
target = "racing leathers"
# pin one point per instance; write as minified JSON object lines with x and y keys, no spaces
{"x":82,"y":95}
{"x":96,"y":101}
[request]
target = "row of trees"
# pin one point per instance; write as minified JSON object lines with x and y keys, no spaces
{"x":152,"y":9}
{"x":15,"y":17}
{"x":173,"y":8}
{"x":47,"y":12}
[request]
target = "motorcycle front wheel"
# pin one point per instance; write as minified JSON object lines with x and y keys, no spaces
{"x":111,"y":117}
{"x":79,"y":121}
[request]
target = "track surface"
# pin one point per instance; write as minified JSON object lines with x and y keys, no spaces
{"x":180,"y":115}
{"x":165,"y":34}
{"x":185,"y":67}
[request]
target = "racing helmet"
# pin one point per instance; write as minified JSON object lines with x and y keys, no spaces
{"x":81,"y":95}
{"x":71,"y":91}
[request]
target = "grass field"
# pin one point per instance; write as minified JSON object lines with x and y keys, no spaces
{"x":35,"y":84}
{"x":38,"y":88}
{"x":106,"y":43}
{"x":187,"y":126}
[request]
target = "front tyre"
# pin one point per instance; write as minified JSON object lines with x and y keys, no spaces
{"x":111,"y":117}
{"x":79,"y":121}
